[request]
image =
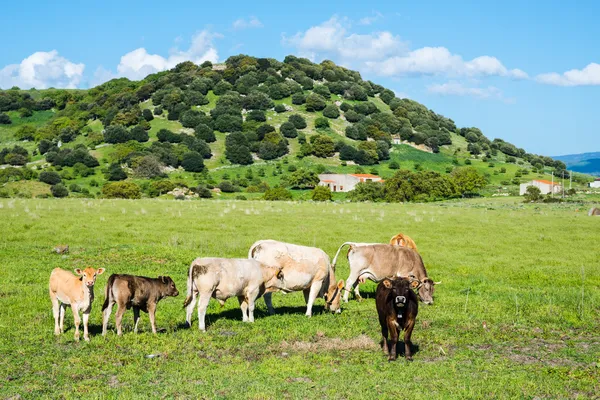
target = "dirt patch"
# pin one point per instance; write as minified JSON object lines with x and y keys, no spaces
{"x":323,"y":344}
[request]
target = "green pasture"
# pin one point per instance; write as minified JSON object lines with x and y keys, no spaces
{"x":517,"y":314}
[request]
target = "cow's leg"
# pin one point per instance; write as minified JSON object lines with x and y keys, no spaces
{"x":86,"y":318}
{"x":243,"y":307}
{"x":306,"y":293}
{"x":351,"y":283}
{"x":251,"y":299}
{"x":152,"y":316}
{"x":56,"y":312}
{"x":384,"y":334}
{"x":136,"y":319}
{"x":190,"y":308}
{"x":407,"y":343}
{"x":269,"y":303}
{"x":393,"y":327}
{"x":105,"y":317}
{"x":62,"y":310}
{"x":202,"y":306}
{"x":315,"y":288}
{"x":119,"y":317}
{"x":76,"y":319}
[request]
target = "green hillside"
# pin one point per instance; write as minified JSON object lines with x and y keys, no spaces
{"x":253,"y":123}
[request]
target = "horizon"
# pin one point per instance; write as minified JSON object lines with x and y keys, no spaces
{"x":532,"y":85}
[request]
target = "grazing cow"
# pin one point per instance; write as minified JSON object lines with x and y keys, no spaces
{"x":304,"y":268}
{"x":380,"y":261}
{"x":66,"y":290}
{"x":137,"y":292}
{"x":61,"y":249}
{"x":397,"y":307}
{"x":223,"y":278}
{"x":594,"y":211}
{"x":403,"y":240}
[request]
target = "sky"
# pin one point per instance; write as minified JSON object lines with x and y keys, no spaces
{"x":525,"y":72}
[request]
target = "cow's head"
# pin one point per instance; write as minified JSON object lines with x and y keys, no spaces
{"x":425,"y":288}
{"x":273,"y":278}
{"x":88,"y":275}
{"x":333,"y":297}
{"x":399,"y":291}
{"x":169,"y":286}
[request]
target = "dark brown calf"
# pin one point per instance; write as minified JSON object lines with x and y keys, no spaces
{"x":138,"y":292}
{"x":397,"y":307}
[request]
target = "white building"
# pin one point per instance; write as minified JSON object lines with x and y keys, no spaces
{"x":345,"y":182}
{"x":544,"y":186}
{"x":595,"y":184}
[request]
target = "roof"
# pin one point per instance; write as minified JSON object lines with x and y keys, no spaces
{"x":546,"y":182}
{"x":327,"y":180}
{"x":371,"y":176}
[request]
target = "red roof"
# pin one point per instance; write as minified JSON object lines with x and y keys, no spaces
{"x":370,"y":176}
{"x":546,"y":182}
{"x":327,"y":180}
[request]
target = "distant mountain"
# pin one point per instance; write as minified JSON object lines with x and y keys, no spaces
{"x":587,"y":163}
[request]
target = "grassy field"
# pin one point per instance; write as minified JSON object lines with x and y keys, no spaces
{"x":517,"y":314}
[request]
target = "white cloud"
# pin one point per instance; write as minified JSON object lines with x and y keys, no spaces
{"x":42,"y":70}
{"x":369,"y":20}
{"x":138,"y":63}
{"x":242,"y":23}
{"x":331,"y":39}
{"x":588,"y":76}
{"x":458,"y":89}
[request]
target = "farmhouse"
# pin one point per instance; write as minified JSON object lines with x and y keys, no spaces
{"x":544,"y":186}
{"x":595,"y":184}
{"x":345,"y":182}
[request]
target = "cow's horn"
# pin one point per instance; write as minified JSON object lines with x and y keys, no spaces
{"x":437,"y":283}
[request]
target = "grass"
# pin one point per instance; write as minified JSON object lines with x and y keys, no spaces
{"x":517,"y":314}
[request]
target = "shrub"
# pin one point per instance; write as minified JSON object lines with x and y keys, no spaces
{"x":321,"y":123}
{"x":345,"y":107}
{"x":298,"y":98}
{"x":228,"y":187}
{"x":288,"y":130}
{"x":50,"y":177}
{"x":532,"y":193}
{"x":139,"y":134}
{"x":331,"y":111}
{"x":352,"y":116}
{"x":256,"y":115}
{"x":468,"y":162}
{"x":147,"y":114}
{"x":115,"y":173}
{"x":323,"y":146}
{"x":322,"y":90}
{"x":158,"y":110}
{"x":73,"y":187}
{"x":298,"y":121}
{"x":314,"y":102}
{"x":279,"y":108}
{"x":205,"y":133}
{"x":394,"y":165}
{"x":367,"y":191}
{"x":321,"y":193}
{"x":5,"y":119}
{"x":148,"y":167}
{"x":192,"y":162}
{"x":116,"y":134}
{"x":204,"y":192}
{"x":277,"y":193}
{"x":59,"y":190}
{"x":157,"y":188}
{"x":303,"y":179}
{"x":191,"y":118}
{"x":121,"y":190}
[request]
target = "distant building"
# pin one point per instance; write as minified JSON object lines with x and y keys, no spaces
{"x":346,"y":182}
{"x":595,"y":184}
{"x":544,"y":186}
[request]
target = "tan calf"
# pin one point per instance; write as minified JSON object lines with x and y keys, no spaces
{"x":67,"y":289}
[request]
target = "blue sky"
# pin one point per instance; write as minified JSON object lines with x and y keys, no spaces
{"x":527,"y":72}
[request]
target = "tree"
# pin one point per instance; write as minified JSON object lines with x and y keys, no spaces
{"x":191,"y":118}
{"x":323,"y":146}
{"x":467,"y":180}
{"x":279,"y":91}
{"x":321,"y":193}
{"x":237,"y":150}
{"x":280,"y":108}
{"x":277,"y":193}
{"x":288,"y":130}
{"x":298,"y":98}
{"x":147,"y":114}
{"x":50,"y":177}
{"x":115,"y":173}
{"x":205,"y":133}
{"x":44,"y":145}
{"x":298,"y":121}
{"x":394,"y":165}
{"x":331,"y":111}
{"x":148,"y":167}
{"x":25,"y":132}
{"x":116,"y":134}
{"x":122,"y":190}
{"x":303,"y":179}
{"x":314,"y":102}
{"x":321,"y":123}
{"x":256,"y":115}
{"x":5,"y":119}
{"x":139,"y":134}
{"x":367,"y":191}
{"x":532,"y":193}
{"x":59,"y":190}
{"x":192,"y":162}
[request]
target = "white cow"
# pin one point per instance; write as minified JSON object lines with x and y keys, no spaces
{"x":304,"y":268}
{"x":223,"y":278}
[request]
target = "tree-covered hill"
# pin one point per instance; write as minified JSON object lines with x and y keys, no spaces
{"x":248,"y":125}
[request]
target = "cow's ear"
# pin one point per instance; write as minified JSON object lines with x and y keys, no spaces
{"x":279,"y":274}
{"x":414,"y":284}
{"x":340,"y":284}
{"x":387,"y":283}
{"x":100,"y":271}
{"x":78,"y":271}
{"x":164,"y":279}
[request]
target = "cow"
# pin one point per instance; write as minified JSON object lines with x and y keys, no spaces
{"x":380,"y":261}
{"x":137,"y":292}
{"x":61,"y":249}
{"x":223,"y":278}
{"x":66,"y":290}
{"x":304,"y":268}
{"x":594,"y":212}
{"x":397,"y":308}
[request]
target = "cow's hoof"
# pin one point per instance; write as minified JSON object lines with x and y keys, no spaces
{"x":86,"y":338}
{"x":359,"y":299}
{"x":409,"y":358}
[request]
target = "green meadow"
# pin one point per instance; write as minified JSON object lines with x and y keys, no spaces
{"x":517,"y":314}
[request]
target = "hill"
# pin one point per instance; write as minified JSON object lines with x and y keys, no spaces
{"x":245,"y":126}
{"x":586,"y":163}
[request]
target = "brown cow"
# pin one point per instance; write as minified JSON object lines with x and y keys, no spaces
{"x":61,"y":249}
{"x":404,"y":241}
{"x":397,"y":307}
{"x":594,"y":212}
{"x":66,"y":290}
{"x":137,"y":292}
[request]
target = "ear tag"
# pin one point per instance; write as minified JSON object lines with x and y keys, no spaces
{"x":399,"y":316}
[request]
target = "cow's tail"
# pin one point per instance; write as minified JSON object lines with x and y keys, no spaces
{"x":254,"y":248}
{"x":333,"y":263}
{"x":190,"y":287}
{"x":108,"y":294}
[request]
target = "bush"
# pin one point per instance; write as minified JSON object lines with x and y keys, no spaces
{"x":288,"y":130}
{"x":298,"y":98}
{"x":228,"y":187}
{"x":147,"y":114}
{"x":139,"y":134}
{"x":279,"y":108}
{"x":205,"y":133}
{"x":158,"y":110}
{"x":298,"y":121}
{"x":115,"y":173}
{"x":59,"y":190}
{"x":323,"y":146}
{"x":394,"y":165}
{"x":204,"y":192}
{"x":5,"y":119}
{"x":256,"y":115}
{"x":352,"y":116}
{"x":532,"y":193}
{"x":157,"y":188}
{"x":331,"y":111}
{"x":73,"y":187}
{"x":314,"y":102}
{"x":277,"y":193}
{"x":121,"y":190}
{"x":148,"y":167}
{"x":321,"y":123}
{"x":367,"y":191}
{"x":50,"y":177}
{"x":192,"y":162}
{"x":116,"y":134}
{"x":468,"y":162}
{"x":321,"y":193}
